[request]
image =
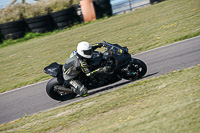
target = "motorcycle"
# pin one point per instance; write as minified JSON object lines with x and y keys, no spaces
{"x":116,"y":57}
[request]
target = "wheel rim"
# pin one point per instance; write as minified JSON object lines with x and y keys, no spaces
{"x":135,"y":68}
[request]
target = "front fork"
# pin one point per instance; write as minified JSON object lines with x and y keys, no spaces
{"x":129,"y":70}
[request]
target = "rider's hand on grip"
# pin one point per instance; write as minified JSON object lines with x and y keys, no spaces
{"x":101,"y":44}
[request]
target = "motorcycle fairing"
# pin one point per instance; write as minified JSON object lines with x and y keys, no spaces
{"x":54,"y":69}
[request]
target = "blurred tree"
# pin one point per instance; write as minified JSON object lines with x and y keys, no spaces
{"x":14,"y":1}
{"x":23,"y":2}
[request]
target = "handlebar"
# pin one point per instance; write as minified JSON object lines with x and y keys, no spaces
{"x":113,"y":48}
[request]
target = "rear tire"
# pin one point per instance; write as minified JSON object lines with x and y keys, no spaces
{"x":54,"y":94}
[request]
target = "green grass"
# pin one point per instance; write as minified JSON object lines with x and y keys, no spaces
{"x":147,"y":28}
{"x":169,"y":103}
{"x":27,"y":36}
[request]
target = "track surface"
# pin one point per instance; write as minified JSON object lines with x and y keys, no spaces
{"x":33,"y":99}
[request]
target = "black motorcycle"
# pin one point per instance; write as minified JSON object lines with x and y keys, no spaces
{"x":116,"y":57}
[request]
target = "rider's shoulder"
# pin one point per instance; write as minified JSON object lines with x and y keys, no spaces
{"x":74,"y":53}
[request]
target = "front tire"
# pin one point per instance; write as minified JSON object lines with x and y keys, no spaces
{"x":138,"y":66}
{"x":54,"y":94}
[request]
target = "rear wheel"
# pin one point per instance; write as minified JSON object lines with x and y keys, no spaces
{"x":55,"y":94}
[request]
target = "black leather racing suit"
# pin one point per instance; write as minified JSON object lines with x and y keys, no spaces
{"x":74,"y":64}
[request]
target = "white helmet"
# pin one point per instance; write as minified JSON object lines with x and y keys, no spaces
{"x":84,"y":49}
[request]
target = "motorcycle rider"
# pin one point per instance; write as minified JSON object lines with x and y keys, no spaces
{"x":77,"y":62}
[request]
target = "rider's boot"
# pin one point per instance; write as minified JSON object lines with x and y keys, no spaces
{"x":84,"y":92}
{"x":78,"y":88}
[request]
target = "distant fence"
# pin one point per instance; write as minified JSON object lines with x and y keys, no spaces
{"x":123,"y":6}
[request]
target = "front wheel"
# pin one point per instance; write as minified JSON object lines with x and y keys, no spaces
{"x":55,"y":94}
{"x":137,"y":66}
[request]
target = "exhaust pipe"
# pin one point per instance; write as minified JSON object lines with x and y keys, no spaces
{"x":61,"y":88}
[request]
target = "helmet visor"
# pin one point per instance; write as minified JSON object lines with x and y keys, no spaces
{"x":87,"y":52}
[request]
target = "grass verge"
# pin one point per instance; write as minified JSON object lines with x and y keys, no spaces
{"x":141,"y":30}
{"x":169,"y":103}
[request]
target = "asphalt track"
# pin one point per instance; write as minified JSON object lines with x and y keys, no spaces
{"x":33,"y":98}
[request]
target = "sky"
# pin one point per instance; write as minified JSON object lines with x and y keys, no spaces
{"x":4,"y":3}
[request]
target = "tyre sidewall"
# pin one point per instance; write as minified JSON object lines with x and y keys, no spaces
{"x":101,"y":2}
{"x":65,"y":12}
{"x":55,"y":95}
{"x":140,"y":74}
{"x":15,"y":35}
{"x":141,"y":64}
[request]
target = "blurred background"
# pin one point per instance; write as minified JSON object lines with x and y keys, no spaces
{"x":118,"y":6}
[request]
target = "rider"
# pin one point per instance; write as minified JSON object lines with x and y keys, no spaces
{"x":78,"y":62}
